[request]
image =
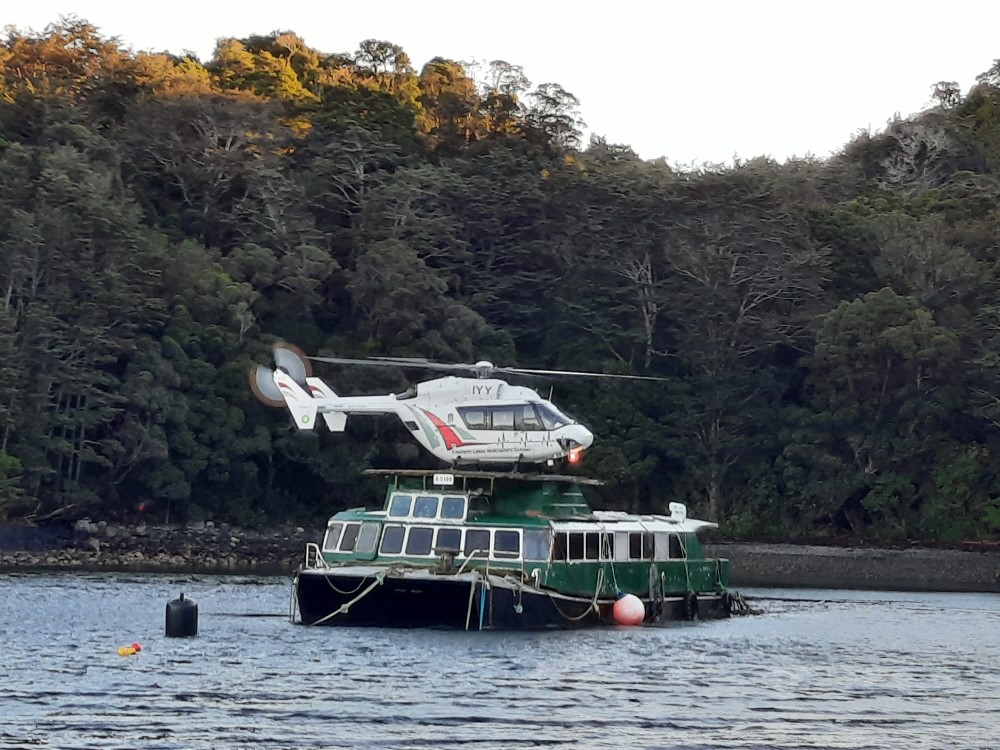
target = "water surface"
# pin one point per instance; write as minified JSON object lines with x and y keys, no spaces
{"x":820,"y":669}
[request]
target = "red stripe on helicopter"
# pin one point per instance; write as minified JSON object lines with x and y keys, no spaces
{"x":451,"y":439}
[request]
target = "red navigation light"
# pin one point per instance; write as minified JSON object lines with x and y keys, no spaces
{"x":574,"y":455}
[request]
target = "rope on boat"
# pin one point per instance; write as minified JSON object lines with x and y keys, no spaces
{"x":472,"y":592}
{"x":739,"y":606}
{"x":379,"y":578}
{"x":591,"y":606}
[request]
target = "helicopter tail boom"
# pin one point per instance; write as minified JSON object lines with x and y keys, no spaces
{"x":302,"y":406}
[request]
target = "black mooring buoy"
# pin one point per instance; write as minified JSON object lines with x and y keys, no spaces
{"x":182,"y":618}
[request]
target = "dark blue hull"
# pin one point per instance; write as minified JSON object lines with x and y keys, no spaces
{"x":368,"y":598}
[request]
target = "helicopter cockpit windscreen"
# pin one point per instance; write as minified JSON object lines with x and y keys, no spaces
{"x":552,"y":418}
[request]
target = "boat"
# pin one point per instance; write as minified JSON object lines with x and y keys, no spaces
{"x":485,"y":550}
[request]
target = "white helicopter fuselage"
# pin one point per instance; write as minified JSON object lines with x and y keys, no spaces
{"x":459,"y":420}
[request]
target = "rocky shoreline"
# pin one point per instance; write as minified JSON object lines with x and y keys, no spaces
{"x":221,"y":548}
{"x":814,"y":566}
{"x":194,"y":548}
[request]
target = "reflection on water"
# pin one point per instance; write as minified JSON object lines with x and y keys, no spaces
{"x":820,"y":669}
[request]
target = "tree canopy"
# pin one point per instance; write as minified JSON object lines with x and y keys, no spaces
{"x":826,"y":328}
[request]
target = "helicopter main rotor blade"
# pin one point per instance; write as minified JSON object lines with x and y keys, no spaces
{"x":575,"y":373}
{"x":394,"y":362}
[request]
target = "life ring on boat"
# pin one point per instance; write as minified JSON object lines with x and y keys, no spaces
{"x":691,"y":606}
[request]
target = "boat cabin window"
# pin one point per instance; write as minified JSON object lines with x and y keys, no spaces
{"x":448,"y":540}
{"x":640,"y":545}
{"x":677,"y":550}
{"x":559,"y":546}
{"x":332,"y":537}
{"x":400,"y":506}
{"x":660,"y":549}
{"x":426,"y":506}
{"x":418,"y":540}
{"x":392,"y":540}
{"x":592,"y":545}
{"x":607,"y":547}
{"x":477,"y":539}
{"x":350,"y":539}
{"x":575,"y":546}
{"x":506,"y":543}
{"x":453,"y":507}
{"x":368,"y":538}
{"x":536,"y":544}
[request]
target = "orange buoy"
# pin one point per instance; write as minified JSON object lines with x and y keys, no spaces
{"x":629,"y":610}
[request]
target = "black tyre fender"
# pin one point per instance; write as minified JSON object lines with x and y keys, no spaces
{"x":691,"y":605}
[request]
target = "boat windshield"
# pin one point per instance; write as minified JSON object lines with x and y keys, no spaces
{"x":552,"y":418}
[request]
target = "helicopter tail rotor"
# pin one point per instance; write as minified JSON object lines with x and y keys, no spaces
{"x":291,"y":361}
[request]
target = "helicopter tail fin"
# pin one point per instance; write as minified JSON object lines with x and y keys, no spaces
{"x":335,"y":421}
{"x":299,"y":403}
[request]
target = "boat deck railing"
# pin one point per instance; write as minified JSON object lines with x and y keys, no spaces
{"x":314,"y":558}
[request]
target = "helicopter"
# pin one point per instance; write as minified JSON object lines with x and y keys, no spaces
{"x":460,"y":420}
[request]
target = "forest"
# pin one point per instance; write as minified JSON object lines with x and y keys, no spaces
{"x":825,"y":328}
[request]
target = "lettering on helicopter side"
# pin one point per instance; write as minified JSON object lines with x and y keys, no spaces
{"x":480,"y":390}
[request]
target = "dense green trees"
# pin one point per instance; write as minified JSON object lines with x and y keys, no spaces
{"x":828,"y":329}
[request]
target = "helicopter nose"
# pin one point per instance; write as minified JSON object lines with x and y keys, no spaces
{"x":583,"y":437}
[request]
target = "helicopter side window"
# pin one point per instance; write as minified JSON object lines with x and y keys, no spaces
{"x":503,"y":418}
{"x":400,"y":506}
{"x":426,"y":506}
{"x":475,"y":419}
{"x":526,"y":419}
{"x":552,"y":419}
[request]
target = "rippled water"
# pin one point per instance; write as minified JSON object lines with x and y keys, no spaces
{"x":820,"y":669}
